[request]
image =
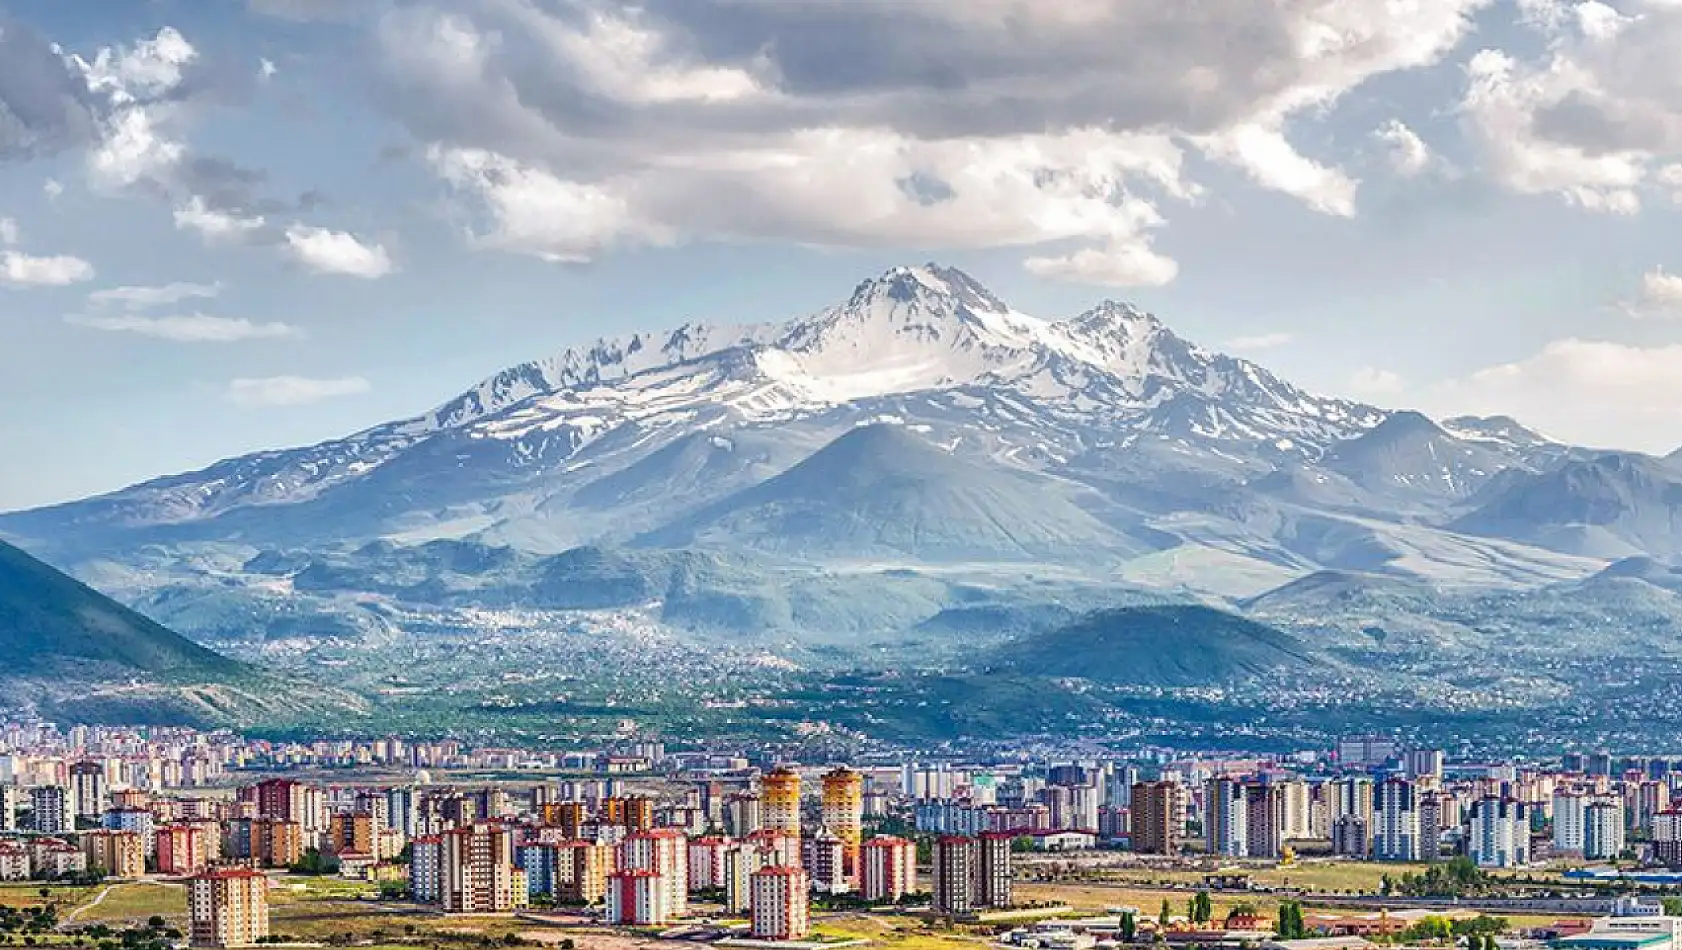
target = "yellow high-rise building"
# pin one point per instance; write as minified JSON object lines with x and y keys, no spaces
{"x":843,"y":815}
{"x":780,"y":789}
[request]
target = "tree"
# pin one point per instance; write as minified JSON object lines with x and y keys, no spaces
{"x":1291,"y":926}
{"x":1167,"y":916}
{"x":1129,"y":927}
{"x":1202,"y":908}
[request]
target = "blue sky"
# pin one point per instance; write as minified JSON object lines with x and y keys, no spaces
{"x":228,"y":226}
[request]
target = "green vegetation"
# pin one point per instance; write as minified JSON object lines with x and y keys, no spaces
{"x":1179,"y":645}
{"x":1458,"y":877}
{"x":48,"y":619}
{"x":1291,"y":926}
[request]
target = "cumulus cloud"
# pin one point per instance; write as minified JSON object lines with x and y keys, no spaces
{"x":337,"y":252}
{"x":1595,"y":117}
{"x":1590,"y":392}
{"x":1661,"y":293}
{"x":8,"y":231}
{"x":1406,"y":151}
{"x":292,"y":390}
{"x":24,"y":270}
{"x":185,"y":328}
{"x":573,"y":127}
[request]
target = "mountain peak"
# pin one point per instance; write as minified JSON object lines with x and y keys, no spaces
{"x":907,"y":283}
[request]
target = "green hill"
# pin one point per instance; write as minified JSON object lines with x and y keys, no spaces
{"x":1179,"y":645}
{"x":49,"y":620}
{"x":72,"y":653}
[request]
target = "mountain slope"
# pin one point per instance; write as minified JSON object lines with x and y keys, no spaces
{"x":1171,"y":646}
{"x":49,"y":621}
{"x":1613,"y":505}
{"x":880,"y":490}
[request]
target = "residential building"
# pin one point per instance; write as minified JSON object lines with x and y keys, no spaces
{"x":995,"y":870}
{"x":637,"y":897}
{"x":1603,"y":829}
{"x":49,"y":811}
{"x":955,"y":861}
{"x":120,"y":854}
{"x":228,"y":908}
{"x":889,"y":868}
{"x":1499,"y":833}
{"x":1264,"y":823}
{"x":664,"y":851}
{"x":1667,"y":838}
{"x":1350,"y":837}
{"x":780,"y":905}
{"x":843,"y":815}
{"x":87,"y":791}
{"x":1396,"y":836}
{"x":182,"y":849}
{"x":1226,"y":817}
{"x":1155,"y":818}
{"x":478,"y":870}
{"x":426,"y":869}
{"x":1570,"y":813}
{"x":780,"y":794}
{"x":823,"y":856}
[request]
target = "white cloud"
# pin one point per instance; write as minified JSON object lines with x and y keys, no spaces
{"x":266,"y":68}
{"x":1370,"y":381}
{"x":1661,"y":292}
{"x":138,"y":298}
{"x":1260,"y":341}
{"x":1587,"y":392}
{"x":1132,"y":264}
{"x":23,"y":270}
{"x":831,"y":122}
{"x":214,"y":225}
{"x":186,"y":328}
{"x":8,"y":231}
{"x":136,"y":83}
{"x":52,"y":188}
{"x":1407,"y":152}
{"x":337,"y":252}
{"x":292,"y":390}
{"x":1270,"y":160}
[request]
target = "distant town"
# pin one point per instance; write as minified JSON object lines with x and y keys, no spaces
{"x":149,"y":837}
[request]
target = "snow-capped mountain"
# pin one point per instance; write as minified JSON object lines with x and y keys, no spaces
{"x":1147,"y":457}
{"x":914,"y":342}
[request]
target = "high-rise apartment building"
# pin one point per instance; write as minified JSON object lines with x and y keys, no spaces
{"x":1226,"y":817}
{"x":664,"y":851}
{"x":49,"y":810}
{"x":183,"y":848}
{"x":1667,"y":838}
{"x":228,"y":908}
{"x":87,"y":791}
{"x":1603,"y":829}
{"x":1155,"y":818}
{"x":1570,"y":810}
{"x":780,"y":904}
{"x":889,"y":868}
{"x":639,"y":898}
{"x":120,"y":854}
{"x":1499,"y":833}
{"x":843,"y":815}
{"x":478,"y":870}
{"x":780,"y":795}
{"x":1396,"y":837}
{"x":954,"y":864}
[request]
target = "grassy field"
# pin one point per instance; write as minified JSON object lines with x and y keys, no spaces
{"x":29,"y":895}
{"x":131,"y":903}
